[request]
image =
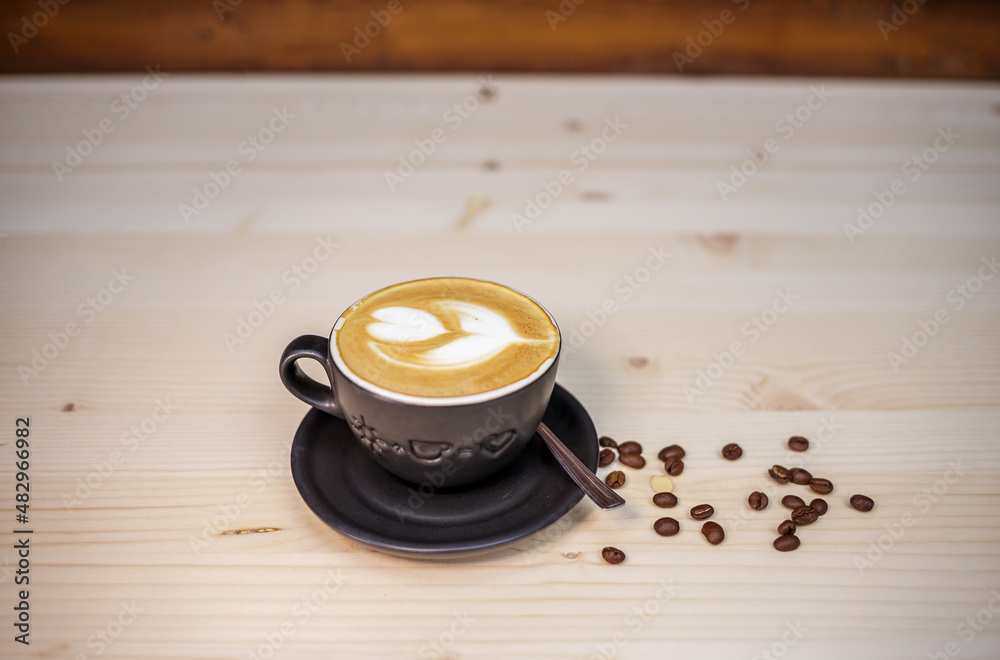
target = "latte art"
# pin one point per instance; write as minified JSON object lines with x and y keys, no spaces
{"x":446,"y":337}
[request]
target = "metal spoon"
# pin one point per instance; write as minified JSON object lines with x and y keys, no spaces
{"x":595,"y":489}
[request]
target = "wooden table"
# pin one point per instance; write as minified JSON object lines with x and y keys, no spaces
{"x":165,"y":521}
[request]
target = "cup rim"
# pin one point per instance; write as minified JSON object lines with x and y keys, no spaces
{"x":441,"y":401}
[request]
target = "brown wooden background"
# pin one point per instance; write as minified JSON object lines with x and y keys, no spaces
{"x":792,"y":37}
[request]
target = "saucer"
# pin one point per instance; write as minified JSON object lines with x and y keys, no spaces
{"x":354,"y":495}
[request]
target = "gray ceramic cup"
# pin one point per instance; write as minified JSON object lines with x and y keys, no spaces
{"x":441,"y":442}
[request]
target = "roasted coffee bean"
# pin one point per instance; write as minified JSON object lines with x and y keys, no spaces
{"x":821,"y":486}
{"x":665,"y":500}
{"x":804,"y":515}
{"x":798,"y":443}
{"x":757,"y":501}
{"x":799,"y":476}
{"x":666,"y":526}
{"x":702,"y":512}
{"x":615,"y":479}
{"x":605,"y":458}
{"x":605,"y":441}
{"x":632,"y":460}
{"x":862,"y":503}
{"x":786,"y":527}
{"x":713,"y":532}
{"x":630,"y":447}
{"x":675,"y":468}
{"x":779,"y":474}
{"x":820,"y":505}
{"x":786,"y":543}
{"x":668,"y":454}
{"x":792,"y":501}
{"x":732,"y":451}
{"x":613,"y":555}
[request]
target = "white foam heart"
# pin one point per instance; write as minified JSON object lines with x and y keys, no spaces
{"x":403,"y":324}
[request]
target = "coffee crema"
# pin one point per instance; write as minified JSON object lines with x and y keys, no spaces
{"x":445,"y":337}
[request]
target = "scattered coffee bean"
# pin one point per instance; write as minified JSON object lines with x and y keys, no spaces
{"x":613,"y":555}
{"x":702,"y":512}
{"x":799,"y":476}
{"x":666,"y":526}
{"x":786,"y":543}
{"x":661,"y":483}
{"x":820,"y":505}
{"x":862,"y":503}
{"x":757,"y":501}
{"x":605,"y":458}
{"x":821,"y":486}
{"x":632,"y":460}
{"x":804,"y":515}
{"x":798,"y":443}
{"x":615,"y":479}
{"x":779,"y":474}
{"x":792,"y":501}
{"x":668,"y":454}
{"x":786,"y":527}
{"x":732,"y":451}
{"x":665,"y":500}
{"x":713,"y":532}
{"x":630,"y":447}
{"x":675,"y":468}
{"x":605,"y":441}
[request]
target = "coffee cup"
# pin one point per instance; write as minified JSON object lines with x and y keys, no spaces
{"x":443,"y":380}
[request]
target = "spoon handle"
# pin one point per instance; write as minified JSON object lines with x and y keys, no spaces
{"x":595,"y":489}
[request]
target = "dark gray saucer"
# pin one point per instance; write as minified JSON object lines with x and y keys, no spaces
{"x":352,"y":494}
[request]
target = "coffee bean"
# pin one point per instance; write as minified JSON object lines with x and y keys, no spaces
{"x":779,"y":474}
{"x":799,"y":476}
{"x":661,"y":483}
{"x":757,"y":501}
{"x":821,"y":486}
{"x":632,"y":460}
{"x":605,"y":458}
{"x":666,"y":526}
{"x":605,"y":441}
{"x":702,"y":512}
{"x":665,"y":500}
{"x":613,"y":555}
{"x":786,"y":527}
{"x":713,"y":532}
{"x":668,"y":454}
{"x":630,"y":448}
{"x":615,"y":479}
{"x":732,"y":451}
{"x":798,"y":443}
{"x":820,"y":505}
{"x":786,"y":543}
{"x":792,"y":501}
{"x":804,"y":515}
{"x":862,"y":503}
{"x":675,"y":468}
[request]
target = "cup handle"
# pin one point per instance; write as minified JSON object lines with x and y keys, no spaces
{"x":316,"y":394}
